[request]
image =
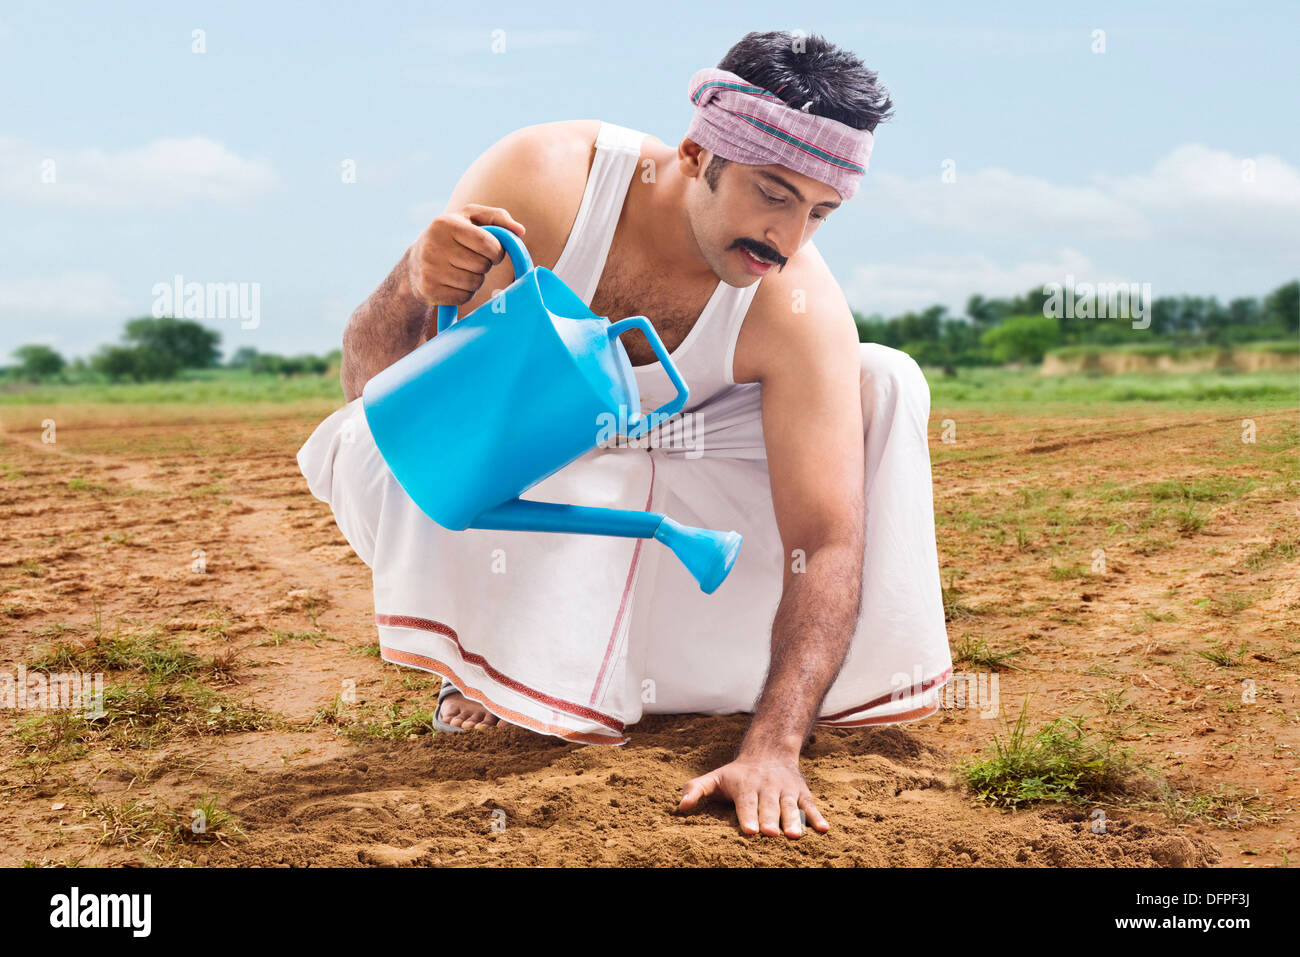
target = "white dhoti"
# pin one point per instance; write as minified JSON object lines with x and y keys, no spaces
{"x":580,"y":635}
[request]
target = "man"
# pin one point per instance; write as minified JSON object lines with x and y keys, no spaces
{"x":810,"y":444}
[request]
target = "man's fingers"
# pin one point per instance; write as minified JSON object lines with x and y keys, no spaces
{"x":747,"y":810}
{"x":481,"y":243}
{"x":815,"y":819}
{"x":696,"y":790}
{"x":769,"y":811}
{"x":790,"y":822}
{"x":481,"y":215}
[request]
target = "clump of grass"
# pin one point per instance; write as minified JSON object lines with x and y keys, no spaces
{"x":280,"y":637}
{"x":360,"y":724}
{"x":976,"y":651}
{"x":140,"y":716}
{"x":1228,"y":603}
{"x":1188,"y":520}
{"x":136,"y":652}
{"x":1222,"y":657}
{"x":1206,"y":489}
{"x":1226,"y":807}
{"x":952,"y":608}
{"x":1066,"y":572}
{"x":1151,"y":545}
{"x":1160,"y":615}
{"x":1022,"y":537}
{"x":54,"y":862}
{"x":1059,"y":763}
{"x":160,"y":830}
{"x":1113,"y":701}
{"x":1284,"y":549}
{"x":211,"y":824}
{"x":134,"y":824}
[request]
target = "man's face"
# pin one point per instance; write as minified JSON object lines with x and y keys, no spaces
{"x":767,"y":211}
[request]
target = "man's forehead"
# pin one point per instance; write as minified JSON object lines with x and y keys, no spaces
{"x":804,"y":188}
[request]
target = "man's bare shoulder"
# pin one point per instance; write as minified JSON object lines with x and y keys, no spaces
{"x":538,"y":173}
{"x":798,"y":316}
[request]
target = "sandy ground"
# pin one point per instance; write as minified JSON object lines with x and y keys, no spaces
{"x":101,"y":530}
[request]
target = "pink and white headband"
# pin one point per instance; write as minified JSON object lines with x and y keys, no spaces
{"x":742,"y":122}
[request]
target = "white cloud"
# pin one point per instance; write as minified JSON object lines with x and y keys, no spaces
{"x":73,"y":295}
{"x":166,"y":172}
{"x":893,"y":288}
{"x":1197,"y":189}
{"x":1191,"y":194}
{"x":996,"y":201}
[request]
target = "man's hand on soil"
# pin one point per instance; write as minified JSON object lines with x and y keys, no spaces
{"x":768,"y":794}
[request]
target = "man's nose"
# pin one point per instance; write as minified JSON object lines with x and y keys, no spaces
{"x":784,"y":239}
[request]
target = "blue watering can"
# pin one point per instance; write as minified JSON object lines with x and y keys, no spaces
{"x":511,"y":394}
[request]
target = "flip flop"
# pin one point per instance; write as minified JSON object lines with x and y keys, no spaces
{"x":438,"y":723}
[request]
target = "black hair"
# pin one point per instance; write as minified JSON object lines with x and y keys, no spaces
{"x":807,"y":70}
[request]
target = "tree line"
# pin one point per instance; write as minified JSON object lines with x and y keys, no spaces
{"x":1023,"y":328}
{"x":158,"y":349}
{"x":991,"y":332}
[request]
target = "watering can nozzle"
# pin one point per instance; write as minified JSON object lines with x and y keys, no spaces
{"x":707,"y":555}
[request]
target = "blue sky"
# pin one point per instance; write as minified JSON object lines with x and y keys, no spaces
{"x":1172,"y":157}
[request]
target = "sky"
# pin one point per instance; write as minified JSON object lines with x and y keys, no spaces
{"x":1140,"y":142}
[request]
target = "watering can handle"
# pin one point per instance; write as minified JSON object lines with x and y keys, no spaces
{"x":673,"y":405}
{"x":520,"y":262}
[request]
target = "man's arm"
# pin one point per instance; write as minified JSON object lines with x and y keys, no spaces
{"x":812,"y":429}
{"x":385,"y":327}
{"x":450,"y":263}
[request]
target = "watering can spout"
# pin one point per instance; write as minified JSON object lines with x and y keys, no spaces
{"x":707,"y":555}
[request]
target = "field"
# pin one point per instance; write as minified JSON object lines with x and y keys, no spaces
{"x":1121,"y":555}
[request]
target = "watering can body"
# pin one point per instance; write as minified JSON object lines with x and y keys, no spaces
{"x":511,"y":393}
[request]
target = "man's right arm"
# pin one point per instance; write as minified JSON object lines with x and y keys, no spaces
{"x":384,"y":328}
{"x":453,"y":262}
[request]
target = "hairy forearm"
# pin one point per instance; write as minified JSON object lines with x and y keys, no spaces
{"x":811,"y":634}
{"x":384,"y":328}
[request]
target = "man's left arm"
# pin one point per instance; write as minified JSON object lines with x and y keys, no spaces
{"x":812,"y":429}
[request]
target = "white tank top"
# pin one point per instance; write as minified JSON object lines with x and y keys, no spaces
{"x":705,"y":356}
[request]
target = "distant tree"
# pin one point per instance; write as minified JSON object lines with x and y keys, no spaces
{"x":1021,"y":338}
{"x":189,"y":344}
{"x":243,"y":357}
{"x":1282,"y":306}
{"x":985,"y":313}
{"x":266,"y":363}
{"x":37,"y":362}
{"x":137,"y":363}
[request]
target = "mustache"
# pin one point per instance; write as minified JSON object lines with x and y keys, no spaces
{"x":760,"y":249}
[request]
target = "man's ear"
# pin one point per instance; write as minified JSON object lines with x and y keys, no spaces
{"x":692,"y":158}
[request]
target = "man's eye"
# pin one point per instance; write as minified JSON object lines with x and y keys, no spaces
{"x":770,"y":198}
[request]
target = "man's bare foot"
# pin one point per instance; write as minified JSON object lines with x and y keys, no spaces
{"x":459,"y":712}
